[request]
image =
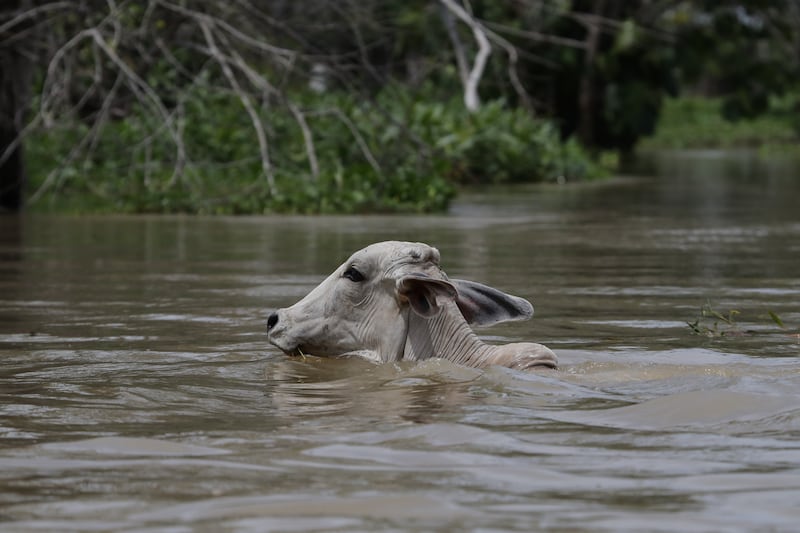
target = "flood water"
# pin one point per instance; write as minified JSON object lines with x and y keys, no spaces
{"x":138,"y":390}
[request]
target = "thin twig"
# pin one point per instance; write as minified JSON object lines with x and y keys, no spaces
{"x":308,"y":138}
{"x":140,"y":84}
{"x":266,"y":164}
{"x":33,"y":12}
{"x":362,"y":144}
{"x":284,"y":54}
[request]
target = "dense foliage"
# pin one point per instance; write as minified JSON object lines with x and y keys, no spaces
{"x":398,"y":153}
{"x":371,"y":105}
{"x":694,"y":122}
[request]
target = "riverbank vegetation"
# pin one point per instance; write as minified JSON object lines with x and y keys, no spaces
{"x":715,"y":324}
{"x":313,"y":106}
{"x":397,"y":153}
{"x":700,"y":122}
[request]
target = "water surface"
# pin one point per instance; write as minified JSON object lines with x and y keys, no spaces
{"x":138,"y":392}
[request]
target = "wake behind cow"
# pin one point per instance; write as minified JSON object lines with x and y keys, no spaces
{"x":391,"y":301}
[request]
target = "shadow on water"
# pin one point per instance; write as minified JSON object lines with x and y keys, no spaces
{"x":149,"y":398}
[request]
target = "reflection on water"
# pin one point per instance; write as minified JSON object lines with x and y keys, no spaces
{"x":137,"y":389}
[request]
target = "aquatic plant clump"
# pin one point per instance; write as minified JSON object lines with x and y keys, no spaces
{"x":716,"y":324}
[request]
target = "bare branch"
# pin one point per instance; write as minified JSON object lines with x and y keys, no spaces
{"x":471,"y":98}
{"x":34,"y":12}
{"x":362,"y":144}
{"x":536,"y":36}
{"x":590,"y":21}
{"x":261,"y":82}
{"x":513,"y":76}
{"x":458,"y":46}
{"x":139,"y":84}
{"x":49,"y":87}
{"x":266,"y":164}
{"x":14,"y":144}
{"x":90,"y":139}
{"x":286,"y":56}
{"x":308,"y":139}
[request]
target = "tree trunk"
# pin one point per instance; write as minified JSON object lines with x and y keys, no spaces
{"x":586,"y":95}
{"x":473,"y":78}
{"x":14,"y":93}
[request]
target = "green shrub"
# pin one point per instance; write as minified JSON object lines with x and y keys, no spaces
{"x":495,"y":144}
{"x":395,"y":154}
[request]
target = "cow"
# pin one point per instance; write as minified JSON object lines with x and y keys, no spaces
{"x":391,"y":301}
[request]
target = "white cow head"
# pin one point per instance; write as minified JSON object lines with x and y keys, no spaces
{"x":369,"y":303}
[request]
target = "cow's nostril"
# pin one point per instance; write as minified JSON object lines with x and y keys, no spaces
{"x":272,"y":320}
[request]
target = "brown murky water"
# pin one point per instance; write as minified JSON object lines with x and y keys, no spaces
{"x":138,"y":392}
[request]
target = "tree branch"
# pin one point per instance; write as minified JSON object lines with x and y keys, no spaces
{"x":308,"y":139}
{"x":362,"y":144}
{"x":33,"y":12}
{"x":263,"y":145}
{"x":471,"y":98}
{"x":458,"y":46}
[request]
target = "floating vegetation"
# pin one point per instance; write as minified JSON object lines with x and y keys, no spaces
{"x":713,"y":323}
{"x":775,"y":318}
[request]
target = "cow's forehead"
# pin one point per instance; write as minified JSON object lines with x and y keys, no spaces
{"x":392,"y":253}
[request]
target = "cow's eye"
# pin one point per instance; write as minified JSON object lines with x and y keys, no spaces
{"x":353,"y":275}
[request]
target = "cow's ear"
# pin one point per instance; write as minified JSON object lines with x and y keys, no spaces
{"x":482,"y":305}
{"x":421,"y":291}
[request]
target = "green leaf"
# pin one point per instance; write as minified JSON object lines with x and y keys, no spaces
{"x":775,"y":318}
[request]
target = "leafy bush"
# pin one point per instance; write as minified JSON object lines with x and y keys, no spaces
{"x":496,"y":144}
{"x":395,"y":153}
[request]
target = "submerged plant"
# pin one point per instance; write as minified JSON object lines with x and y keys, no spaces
{"x":712,"y":323}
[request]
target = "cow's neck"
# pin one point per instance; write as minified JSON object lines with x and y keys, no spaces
{"x":448,"y":336}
